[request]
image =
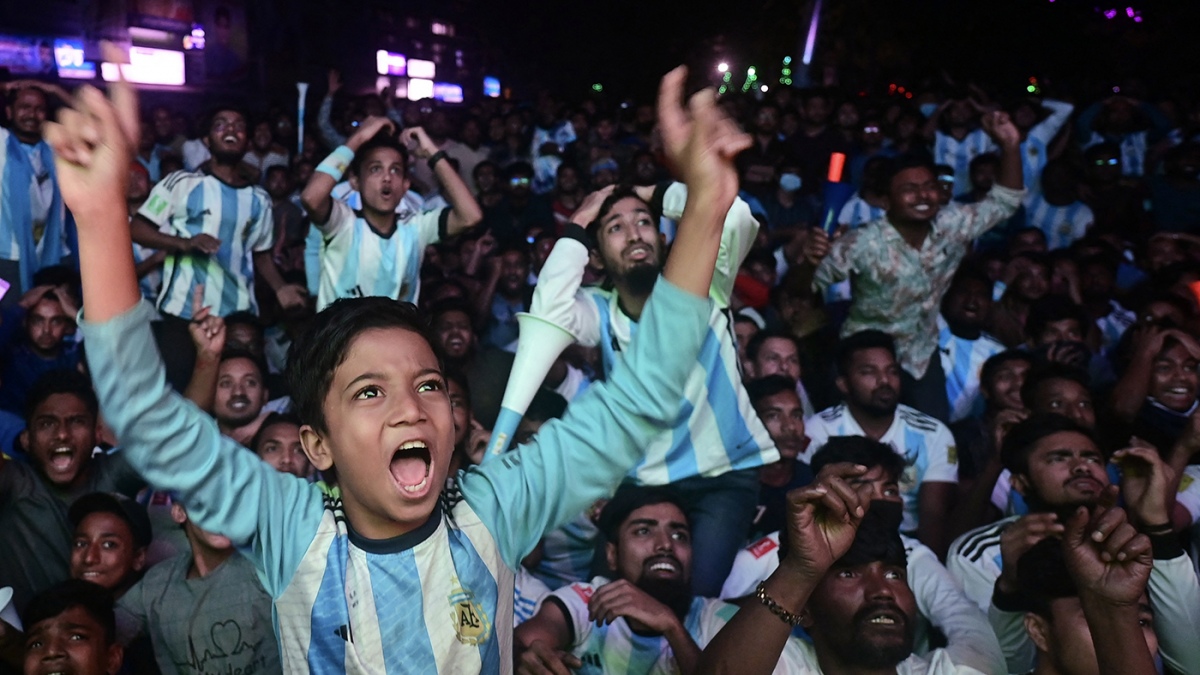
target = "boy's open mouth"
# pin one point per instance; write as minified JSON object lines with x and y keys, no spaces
{"x":410,"y":466}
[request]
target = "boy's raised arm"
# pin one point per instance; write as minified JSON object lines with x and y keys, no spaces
{"x":583,"y":457}
{"x":172,"y":444}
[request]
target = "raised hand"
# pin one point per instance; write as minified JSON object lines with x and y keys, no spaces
{"x":419,"y":142}
{"x":1000,"y":127}
{"x":369,"y":128}
{"x":589,"y":208}
{"x":207,"y":329}
{"x":1147,"y":483}
{"x":93,"y":142}
{"x":204,"y":244}
{"x":822,"y":519}
{"x":292,"y":296}
{"x":334,"y":81}
{"x":1106,"y":556}
{"x":816,"y":246}
{"x":1019,"y":537}
{"x":700,"y":142}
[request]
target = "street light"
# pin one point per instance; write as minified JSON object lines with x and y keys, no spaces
{"x":763,"y":89}
{"x":722,"y":67}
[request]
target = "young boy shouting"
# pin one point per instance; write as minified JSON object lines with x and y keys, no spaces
{"x":385,"y":575}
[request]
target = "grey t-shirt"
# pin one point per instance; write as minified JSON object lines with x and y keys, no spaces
{"x":215,"y":624}
{"x":35,"y":534}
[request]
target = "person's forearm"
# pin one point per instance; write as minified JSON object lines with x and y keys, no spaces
{"x":106,"y":268}
{"x":145,"y":234}
{"x":687,"y":654}
{"x":155,"y":261}
{"x":331,"y":135}
{"x":929,"y":131}
{"x":483,"y":300}
{"x":1130,"y":391}
{"x":265,"y":268}
{"x":1120,"y":646}
{"x":1012,"y":174}
{"x":465,"y":212}
{"x":754,"y":624}
{"x":694,"y":255}
{"x":202,"y":387}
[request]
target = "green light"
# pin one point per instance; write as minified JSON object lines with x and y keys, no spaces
{"x":787,"y":59}
{"x":722,"y":90}
{"x":750,"y":72}
{"x":728,"y":76}
{"x":1031,"y":89}
{"x":597,"y":87}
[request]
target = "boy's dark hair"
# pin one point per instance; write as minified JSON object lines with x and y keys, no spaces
{"x":1019,"y":442}
{"x":485,"y":164}
{"x":1043,"y":577}
{"x":447,"y":305}
{"x":61,"y":381}
{"x":618,"y":193}
{"x":760,"y":338}
{"x":770,"y":385}
{"x":518,"y":169}
{"x":631,"y":498}
{"x":1050,"y":309}
{"x":57,"y":275}
{"x":238,"y":353}
{"x":270,"y":421}
{"x":320,"y":349}
{"x":1101,"y":150}
{"x":383,"y":139}
{"x":96,"y":600}
{"x":988,"y":372}
{"x":858,"y":450}
{"x":245,"y":318}
{"x":862,"y":341}
{"x":904,"y":162}
{"x":545,"y":406}
{"x":985,"y":158}
{"x":1046,"y":372}
{"x":211,"y":115}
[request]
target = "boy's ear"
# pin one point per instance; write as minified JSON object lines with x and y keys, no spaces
{"x":1020,"y":483}
{"x":1039,"y":631}
{"x":178,"y":514}
{"x":316,"y":448}
{"x":139,"y":559}
{"x":596,"y":259}
{"x":23,"y":439}
{"x":840,"y":383}
{"x":114,"y":658}
{"x":353,"y":178}
{"x":610,"y":555}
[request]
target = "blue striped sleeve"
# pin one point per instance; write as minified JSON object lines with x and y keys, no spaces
{"x":174,"y":446}
{"x":582,"y":457}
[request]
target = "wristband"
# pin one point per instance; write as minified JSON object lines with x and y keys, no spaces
{"x":784,"y":615}
{"x":1162,"y":528}
{"x":435,"y":158}
{"x":336,"y":163}
{"x":1165,"y":546}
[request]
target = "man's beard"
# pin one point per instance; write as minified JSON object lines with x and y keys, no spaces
{"x":231,"y":157}
{"x":870,"y":654}
{"x":639,"y":279}
{"x":874,"y":408}
{"x":674,"y":593}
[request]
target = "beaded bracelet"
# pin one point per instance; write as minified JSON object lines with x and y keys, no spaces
{"x":784,"y":615}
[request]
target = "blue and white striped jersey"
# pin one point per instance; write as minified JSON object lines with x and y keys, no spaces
{"x":858,"y":212}
{"x":614,"y":649}
{"x":567,"y":552}
{"x":440,"y":598}
{"x":1035,"y":148}
{"x":189,"y":203}
{"x":716,"y":429}
{"x":1133,"y":151}
{"x":1062,"y":225}
{"x":1113,"y":325}
{"x":357,"y":261}
{"x":529,"y":593}
{"x":962,"y":360}
{"x":958,"y":154}
{"x":926,"y":444}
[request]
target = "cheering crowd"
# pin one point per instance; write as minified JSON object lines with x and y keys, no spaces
{"x":944,"y":424}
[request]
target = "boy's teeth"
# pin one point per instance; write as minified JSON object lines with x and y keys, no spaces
{"x":418,"y":486}
{"x":413,"y":444}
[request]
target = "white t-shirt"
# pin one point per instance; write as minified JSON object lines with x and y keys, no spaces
{"x":925,"y":443}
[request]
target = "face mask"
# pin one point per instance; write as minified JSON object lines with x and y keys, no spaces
{"x":789,"y":182}
{"x":927,"y":109}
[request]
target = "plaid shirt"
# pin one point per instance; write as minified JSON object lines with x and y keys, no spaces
{"x":898,"y":289}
